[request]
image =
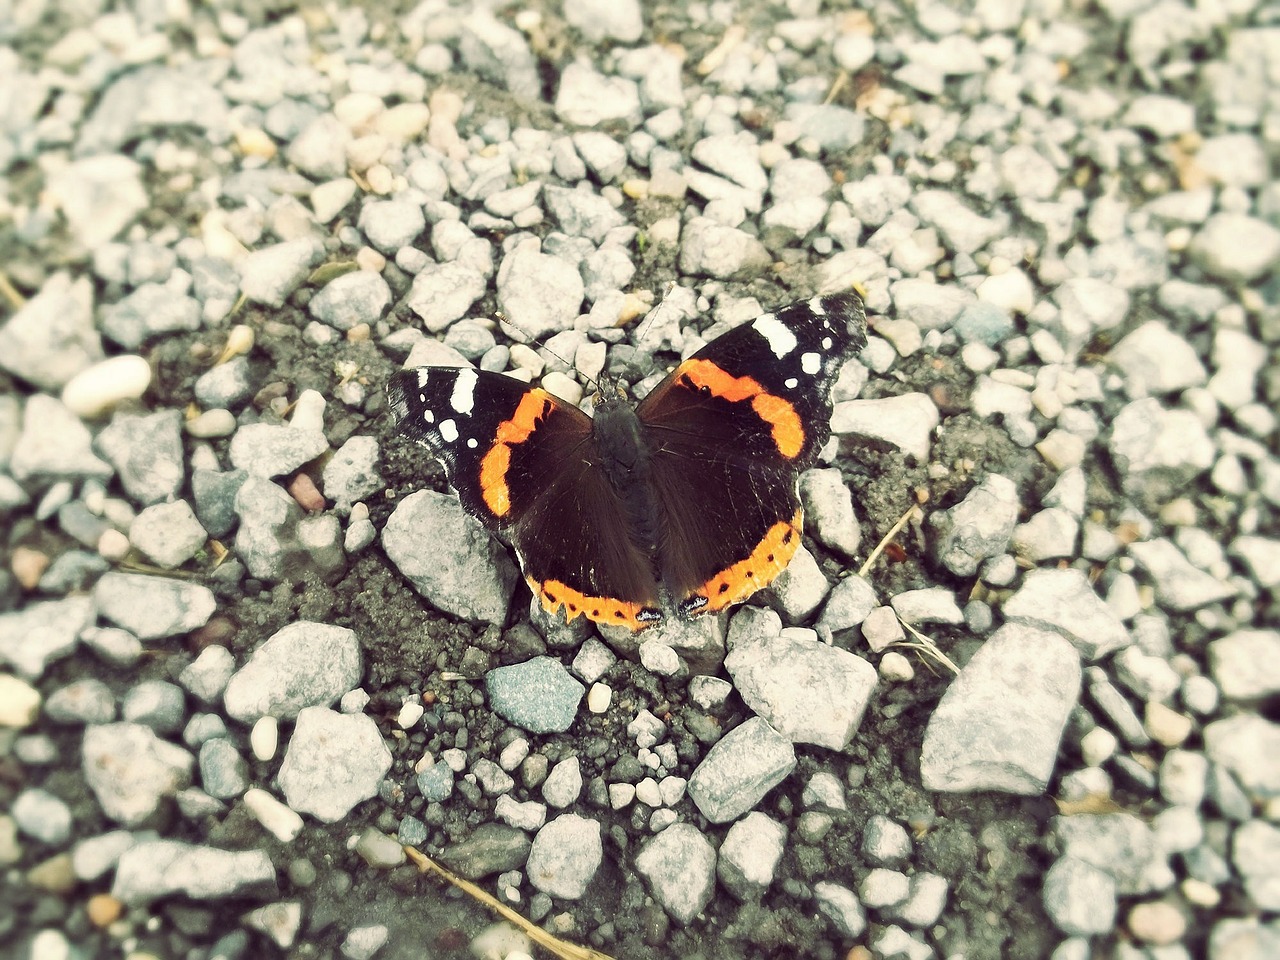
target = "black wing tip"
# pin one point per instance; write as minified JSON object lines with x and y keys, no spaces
{"x":397,"y":390}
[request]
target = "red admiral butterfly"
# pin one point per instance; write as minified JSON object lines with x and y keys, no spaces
{"x":687,"y":502}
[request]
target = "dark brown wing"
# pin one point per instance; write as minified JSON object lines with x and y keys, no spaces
{"x":729,"y":433}
{"x":525,"y":464}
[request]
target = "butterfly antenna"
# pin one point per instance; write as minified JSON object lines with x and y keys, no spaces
{"x":653,"y":314}
{"x":530,"y":340}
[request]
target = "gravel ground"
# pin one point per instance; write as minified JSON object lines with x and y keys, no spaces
{"x":250,"y":647}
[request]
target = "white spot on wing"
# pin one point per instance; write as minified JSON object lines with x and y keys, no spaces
{"x":827,"y":343}
{"x":428,"y":416}
{"x":815,"y":305}
{"x":471,"y":443}
{"x":448,"y":430}
{"x":810,"y":363}
{"x":780,"y":339}
{"x":791,"y":383}
{"x":423,"y":373}
{"x":463,"y":397}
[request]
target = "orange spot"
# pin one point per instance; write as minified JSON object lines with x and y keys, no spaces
{"x":493,"y":468}
{"x":554,"y":595}
{"x":778,"y":413}
{"x":747,"y":576}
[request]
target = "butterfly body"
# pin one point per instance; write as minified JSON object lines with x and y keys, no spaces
{"x":684,"y":504}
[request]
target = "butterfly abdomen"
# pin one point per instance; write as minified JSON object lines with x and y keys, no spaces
{"x":625,"y":460}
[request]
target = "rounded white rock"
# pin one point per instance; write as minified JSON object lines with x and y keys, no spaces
{"x":281,"y":821}
{"x":264,"y":738}
{"x":97,"y":389}
{"x":599,"y":697}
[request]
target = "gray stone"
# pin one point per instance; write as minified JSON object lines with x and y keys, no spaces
{"x":1080,"y":898}
{"x":1256,"y":855}
{"x":582,"y":213}
{"x":1063,"y":600}
{"x":961,"y":228}
{"x":1246,"y":664}
{"x":563,"y":785}
{"x":269,"y":275}
{"x":712,"y":249}
{"x":85,"y":701}
{"x":679,"y":865}
{"x":157,"y":704}
{"x":131,"y":770}
{"x":149,"y":311}
{"x":885,"y":842}
{"x":274,"y":449}
{"x":351,"y":475}
{"x":320,"y":148}
{"x":1261,"y":555}
{"x":1236,"y":248}
{"x":538,"y":695}
{"x":43,"y":816}
{"x":223,"y":772}
{"x":740,"y":769}
{"x":848,"y":604}
{"x":1249,"y":747}
{"x":153,"y":607}
{"x":324,"y":741}
{"x":539,"y":293}
{"x":981,"y":739}
{"x":499,"y":53}
{"x":444,"y":292}
{"x":304,"y":664}
{"x":352,"y":299}
{"x":829,"y":510}
{"x":206,"y":677}
{"x":146,"y":452}
{"x":466,"y":573}
{"x":391,"y":224}
{"x":842,"y":907}
{"x":94,"y":856}
{"x":168,"y":533}
{"x":99,"y":196}
{"x":1155,"y":361}
{"x":52,"y":337}
{"x":606,"y":19}
{"x":1178,"y":584}
{"x":225,"y":386}
{"x":882,"y":888}
{"x":1047,"y":535}
{"x":834,"y":128}
{"x":588,"y":99}
{"x":565,"y":855}
{"x":1120,"y":845}
{"x":154,"y":98}
{"x":808,"y":691}
{"x":906,"y":422}
{"x":54,"y":444}
{"x":928,"y":605}
{"x":37,"y":635}
{"x":749,"y":857}
{"x":152,"y":869}
{"x":495,"y":847}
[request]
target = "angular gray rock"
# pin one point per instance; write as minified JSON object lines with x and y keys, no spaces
{"x":538,"y":695}
{"x":153,"y":607}
{"x":449,"y":558}
{"x":131,"y":770}
{"x":565,"y":855}
{"x":1063,"y":600}
{"x":36,"y":635}
{"x":304,"y":664}
{"x":746,"y":763}
{"x":808,"y":691}
{"x":151,"y":869}
{"x":981,"y":738}
{"x":749,"y":857}
{"x":978,"y":527}
{"x":679,"y":865}
{"x":333,"y":762}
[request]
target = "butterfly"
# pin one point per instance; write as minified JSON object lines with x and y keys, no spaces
{"x":683,"y":504}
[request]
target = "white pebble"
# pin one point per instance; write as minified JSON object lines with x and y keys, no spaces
{"x":264,"y":738}
{"x":96,"y":389}
{"x":895,"y":667}
{"x":280,"y":821}
{"x":411,"y":712}
{"x":599,"y":697}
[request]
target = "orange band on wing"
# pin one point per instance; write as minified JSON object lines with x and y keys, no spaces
{"x":493,"y":468}
{"x":554,"y":595}
{"x":747,"y":576}
{"x":784,"y":422}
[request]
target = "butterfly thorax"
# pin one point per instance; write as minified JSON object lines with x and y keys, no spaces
{"x":625,"y":460}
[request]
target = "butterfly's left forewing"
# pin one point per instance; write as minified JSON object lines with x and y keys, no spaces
{"x":729,"y":432}
{"x":525,"y":464}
